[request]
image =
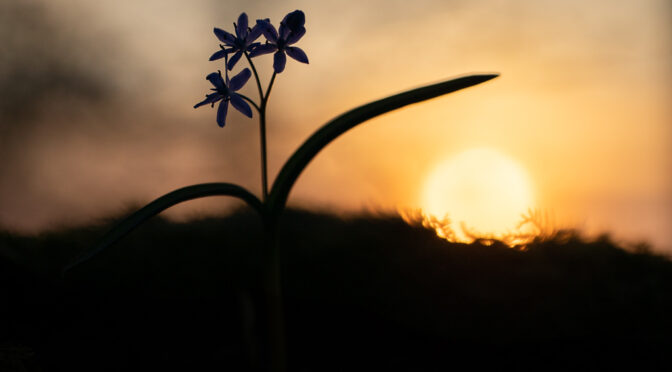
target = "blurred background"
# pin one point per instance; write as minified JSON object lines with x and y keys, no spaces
{"x":96,"y":106}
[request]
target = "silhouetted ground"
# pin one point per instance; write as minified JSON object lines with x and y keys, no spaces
{"x":365,"y":293}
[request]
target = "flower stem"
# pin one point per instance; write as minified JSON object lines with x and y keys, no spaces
{"x":256,"y":76}
{"x":262,"y":135}
{"x":262,"y":126}
{"x":268,"y":91}
{"x":273,"y":283}
{"x":248,"y":99}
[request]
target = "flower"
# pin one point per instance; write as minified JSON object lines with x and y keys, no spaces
{"x":224,"y":91}
{"x":291,"y":30}
{"x":241,"y":43}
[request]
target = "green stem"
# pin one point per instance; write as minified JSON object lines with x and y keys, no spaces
{"x":262,"y":133}
{"x":262,"y":126}
{"x":273,"y":284}
{"x":268,"y":91}
{"x":256,"y":76}
{"x":262,"y":138}
{"x":248,"y":99}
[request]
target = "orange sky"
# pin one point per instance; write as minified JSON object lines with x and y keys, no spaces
{"x":582,"y":104}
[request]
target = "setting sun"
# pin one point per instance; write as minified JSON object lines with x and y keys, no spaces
{"x":481,"y":189}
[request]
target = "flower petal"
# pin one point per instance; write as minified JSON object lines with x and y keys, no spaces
{"x":241,"y":105}
{"x":297,"y":54}
{"x":257,"y":30}
{"x":294,"y":20}
{"x":279,"y":61}
{"x":215,"y":78}
{"x":209,"y":98}
{"x":225,"y":37}
{"x":234,"y":60}
{"x":268,"y":30}
{"x":295,"y":36}
{"x":217,"y":55}
{"x":221,"y":112}
{"x":241,"y":27}
{"x":263,"y":49}
{"x":283,"y":31}
{"x":239,"y":80}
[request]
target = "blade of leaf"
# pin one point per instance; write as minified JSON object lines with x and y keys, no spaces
{"x":339,"y":125}
{"x":162,"y":203}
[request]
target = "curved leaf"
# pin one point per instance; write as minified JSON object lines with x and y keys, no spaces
{"x":339,"y":125}
{"x":162,"y":203}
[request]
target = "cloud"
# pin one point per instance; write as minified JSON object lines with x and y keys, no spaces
{"x":43,"y":62}
{"x":96,"y":98}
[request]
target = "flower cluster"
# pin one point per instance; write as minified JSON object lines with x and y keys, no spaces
{"x":278,"y":41}
{"x":225,"y":92}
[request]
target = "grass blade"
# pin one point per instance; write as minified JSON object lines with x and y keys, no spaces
{"x":162,"y":203}
{"x":339,"y":125}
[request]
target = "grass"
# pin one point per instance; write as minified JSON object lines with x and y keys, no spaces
{"x":361,"y":293}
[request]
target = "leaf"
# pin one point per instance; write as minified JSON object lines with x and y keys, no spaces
{"x":339,"y":125}
{"x":162,"y":203}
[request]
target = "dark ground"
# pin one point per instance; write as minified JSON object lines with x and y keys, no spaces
{"x":366,"y":293}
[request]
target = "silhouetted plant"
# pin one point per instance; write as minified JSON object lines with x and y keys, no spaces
{"x":270,"y":206}
{"x":535,"y":226}
{"x":441,"y":226}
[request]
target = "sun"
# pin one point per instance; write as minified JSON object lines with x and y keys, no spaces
{"x":481,"y":189}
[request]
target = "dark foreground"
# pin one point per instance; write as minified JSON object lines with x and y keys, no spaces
{"x":369,"y":293}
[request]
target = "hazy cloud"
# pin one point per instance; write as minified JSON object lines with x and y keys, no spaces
{"x":41,"y":62}
{"x":96,"y":100}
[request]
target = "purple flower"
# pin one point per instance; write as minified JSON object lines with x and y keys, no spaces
{"x":224,"y":91}
{"x":241,"y":43}
{"x":280,"y":41}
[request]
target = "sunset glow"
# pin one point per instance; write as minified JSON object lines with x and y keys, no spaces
{"x":103,"y":118}
{"x":480,"y":189}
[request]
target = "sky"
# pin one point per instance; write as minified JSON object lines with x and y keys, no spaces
{"x":96,"y":106}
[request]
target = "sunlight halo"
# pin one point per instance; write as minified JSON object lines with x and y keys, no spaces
{"x":481,"y":189}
